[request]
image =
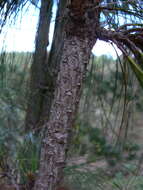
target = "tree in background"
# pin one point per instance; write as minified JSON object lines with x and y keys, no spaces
{"x":39,"y":67}
{"x":45,"y":67}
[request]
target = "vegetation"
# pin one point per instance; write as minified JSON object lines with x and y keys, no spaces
{"x":92,"y":135}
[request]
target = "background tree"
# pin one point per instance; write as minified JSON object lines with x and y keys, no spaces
{"x":39,"y":67}
{"x":42,"y":87}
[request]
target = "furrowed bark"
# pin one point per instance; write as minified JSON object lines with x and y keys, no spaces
{"x":78,"y":42}
{"x":67,"y":95}
{"x":38,"y":68}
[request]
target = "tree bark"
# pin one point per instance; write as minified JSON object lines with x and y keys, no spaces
{"x":80,"y":36}
{"x":38,"y":68}
{"x":67,"y":95}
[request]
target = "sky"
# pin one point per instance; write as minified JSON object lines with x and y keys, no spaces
{"x":21,"y":35}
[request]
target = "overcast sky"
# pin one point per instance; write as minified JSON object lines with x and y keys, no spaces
{"x":21,"y":36}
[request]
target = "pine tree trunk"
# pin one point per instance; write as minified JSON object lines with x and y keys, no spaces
{"x":67,"y":95}
{"x":80,"y":36}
